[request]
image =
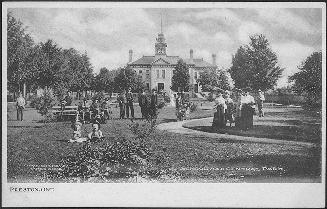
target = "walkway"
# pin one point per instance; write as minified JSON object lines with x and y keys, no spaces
{"x":177,"y":127}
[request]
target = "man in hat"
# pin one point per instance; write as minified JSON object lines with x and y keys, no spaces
{"x":122,"y":104}
{"x":143,"y":102}
{"x":260,"y":100}
{"x":20,"y":106}
{"x":153,"y":103}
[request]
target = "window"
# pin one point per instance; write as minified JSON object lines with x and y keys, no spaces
{"x":148,"y":86}
{"x":195,"y":75}
{"x":140,"y":71}
{"x":161,"y":86}
{"x":163,"y":74}
{"x":158,"y":74}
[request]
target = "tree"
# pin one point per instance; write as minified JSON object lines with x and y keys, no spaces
{"x":127,"y":78}
{"x":308,"y":80}
{"x":104,"y":81}
{"x":19,"y":45}
{"x":181,"y":77}
{"x":255,"y":65}
{"x":214,"y":78}
{"x":48,"y":61}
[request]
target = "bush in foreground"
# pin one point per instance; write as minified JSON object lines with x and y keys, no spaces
{"x":123,"y":158}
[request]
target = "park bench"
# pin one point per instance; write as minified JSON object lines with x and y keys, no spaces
{"x":69,"y":111}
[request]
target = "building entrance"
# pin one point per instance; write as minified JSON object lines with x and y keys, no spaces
{"x":161,"y":86}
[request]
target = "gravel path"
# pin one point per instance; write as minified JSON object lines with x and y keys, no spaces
{"x":177,"y":127}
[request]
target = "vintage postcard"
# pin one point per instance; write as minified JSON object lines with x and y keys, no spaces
{"x":163,"y":104}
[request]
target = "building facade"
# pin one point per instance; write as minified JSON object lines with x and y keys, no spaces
{"x":157,"y":71}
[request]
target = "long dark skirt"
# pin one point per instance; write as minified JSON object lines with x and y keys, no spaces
{"x":246,"y":117}
{"x":219,"y":118}
{"x":229,"y":115}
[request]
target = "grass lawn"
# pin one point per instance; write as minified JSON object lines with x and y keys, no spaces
{"x":293,"y":124}
{"x":198,"y":159}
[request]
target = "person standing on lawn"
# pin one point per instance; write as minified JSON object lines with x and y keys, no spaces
{"x":129,"y":104}
{"x":247,"y":110}
{"x":260,"y":100}
{"x":143,"y":102}
{"x":153,"y":104}
{"x":68,"y":99}
{"x":20,"y":106}
{"x":219,"y":116}
{"x":229,"y":114}
{"x":238,"y":106}
{"x":122,"y":104}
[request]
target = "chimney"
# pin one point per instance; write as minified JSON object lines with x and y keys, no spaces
{"x":214,"y":59}
{"x":130,"y":55}
{"x":191,"y":54}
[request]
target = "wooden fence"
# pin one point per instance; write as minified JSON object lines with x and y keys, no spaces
{"x":285,"y":99}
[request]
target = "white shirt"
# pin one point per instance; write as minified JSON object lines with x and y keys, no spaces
{"x":262,"y":96}
{"x":247,"y":99}
{"x":221,"y":101}
{"x":21,"y":101}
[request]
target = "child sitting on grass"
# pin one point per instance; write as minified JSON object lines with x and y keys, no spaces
{"x":77,"y":134}
{"x":96,"y":133}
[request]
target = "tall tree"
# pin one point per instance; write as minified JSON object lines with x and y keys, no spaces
{"x":181,"y":77}
{"x":255,"y":65}
{"x":212,"y":78}
{"x":19,"y":45}
{"x":104,"y":81}
{"x":308,"y":80}
{"x":128,"y":78}
{"x":50,"y":60}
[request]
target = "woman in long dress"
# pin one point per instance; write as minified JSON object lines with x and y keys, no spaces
{"x":238,"y":106}
{"x":229,"y":114}
{"x":172,"y":100}
{"x":219,"y":116}
{"x":247,"y":110}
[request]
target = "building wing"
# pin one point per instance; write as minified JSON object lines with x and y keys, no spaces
{"x":145,"y":60}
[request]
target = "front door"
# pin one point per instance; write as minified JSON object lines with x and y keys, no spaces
{"x":161,"y":86}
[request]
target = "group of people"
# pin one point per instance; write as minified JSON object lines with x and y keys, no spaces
{"x":147,"y":102}
{"x":239,"y":111}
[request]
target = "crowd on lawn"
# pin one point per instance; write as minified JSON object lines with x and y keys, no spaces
{"x":239,"y":110}
{"x":100,"y":111}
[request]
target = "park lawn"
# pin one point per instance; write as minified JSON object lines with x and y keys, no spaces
{"x":294,"y":124}
{"x":47,"y":144}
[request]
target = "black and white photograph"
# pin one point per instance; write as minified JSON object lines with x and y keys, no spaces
{"x":131,"y":95}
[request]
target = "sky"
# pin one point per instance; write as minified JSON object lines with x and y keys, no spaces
{"x":108,"y":34}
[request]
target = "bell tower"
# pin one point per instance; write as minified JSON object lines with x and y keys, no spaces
{"x":160,"y":45}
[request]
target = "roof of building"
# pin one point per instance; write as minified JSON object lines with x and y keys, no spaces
{"x":172,"y":60}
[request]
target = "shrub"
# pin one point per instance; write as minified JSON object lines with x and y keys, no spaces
{"x":33,"y":100}
{"x":143,"y":130}
{"x":166,"y":98}
{"x":123,"y":158}
{"x":44,"y":102}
